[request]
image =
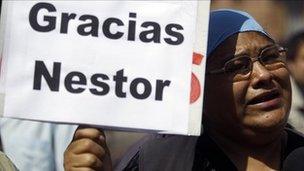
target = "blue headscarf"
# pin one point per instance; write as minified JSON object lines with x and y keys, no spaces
{"x":226,"y":22}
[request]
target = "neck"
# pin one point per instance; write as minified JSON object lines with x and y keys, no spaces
{"x":251,"y":157}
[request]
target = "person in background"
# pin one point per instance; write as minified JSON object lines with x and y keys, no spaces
{"x":246,"y":107}
{"x":35,"y":146}
{"x":6,"y":164}
{"x":39,"y":146}
{"x":295,"y":60}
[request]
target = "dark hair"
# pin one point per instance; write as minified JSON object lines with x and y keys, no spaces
{"x":293,"y":44}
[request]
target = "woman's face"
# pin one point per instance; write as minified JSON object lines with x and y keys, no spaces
{"x":246,"y":106}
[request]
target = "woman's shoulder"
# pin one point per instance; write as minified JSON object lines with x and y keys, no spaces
{"x":293,"y":151}
{"x":295,"y":139}
{"x":161,"y":153}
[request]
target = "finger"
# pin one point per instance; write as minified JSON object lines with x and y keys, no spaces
{"x":90,"y":126}
{"x":91,"y":133}
{"x":87,"y":132}
{"x":87,"y":160}
{"x":81,"y":169}
{"x":86,"y":145}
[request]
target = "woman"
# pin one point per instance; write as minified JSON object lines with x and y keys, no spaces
{"x":246,"y":106}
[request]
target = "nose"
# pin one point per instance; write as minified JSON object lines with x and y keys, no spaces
{"x":261,"y":77}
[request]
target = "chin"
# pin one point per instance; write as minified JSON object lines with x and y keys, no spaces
{"x":264,"y":128}
{"x":267,"y":121}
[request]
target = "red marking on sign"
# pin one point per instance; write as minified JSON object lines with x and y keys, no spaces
{"x":197,"y":58}
{"x":195,"y":88}
{"x":195,"y":84}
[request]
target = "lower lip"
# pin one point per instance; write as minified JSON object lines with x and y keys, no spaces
{"x":276,"y":102}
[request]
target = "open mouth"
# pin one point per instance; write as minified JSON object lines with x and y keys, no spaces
{"x":264,"y":97}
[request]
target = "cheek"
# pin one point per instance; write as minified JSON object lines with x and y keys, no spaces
{"x":223,"y":102}
{"x":219,"y":99}
{"x":283,"y":80}
{"x":239,"y":93}
{"x":282,"y":77}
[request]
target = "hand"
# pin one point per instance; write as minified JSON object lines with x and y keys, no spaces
{"x":88,"y":151}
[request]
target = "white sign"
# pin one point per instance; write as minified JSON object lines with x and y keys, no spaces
{"x":119,"y":64}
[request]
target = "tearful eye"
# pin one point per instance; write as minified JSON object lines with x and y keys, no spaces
{"x":269,"y":58}
{"x":238,"y":65}
{"x":273,"y":55}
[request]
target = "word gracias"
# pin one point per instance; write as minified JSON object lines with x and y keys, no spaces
{"x":90,"y":26}
{"x":75,"y":81}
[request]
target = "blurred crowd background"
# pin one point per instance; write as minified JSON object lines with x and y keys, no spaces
{"x":281,"y":18}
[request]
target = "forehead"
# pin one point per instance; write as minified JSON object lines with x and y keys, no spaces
{"x":240,"y":43}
